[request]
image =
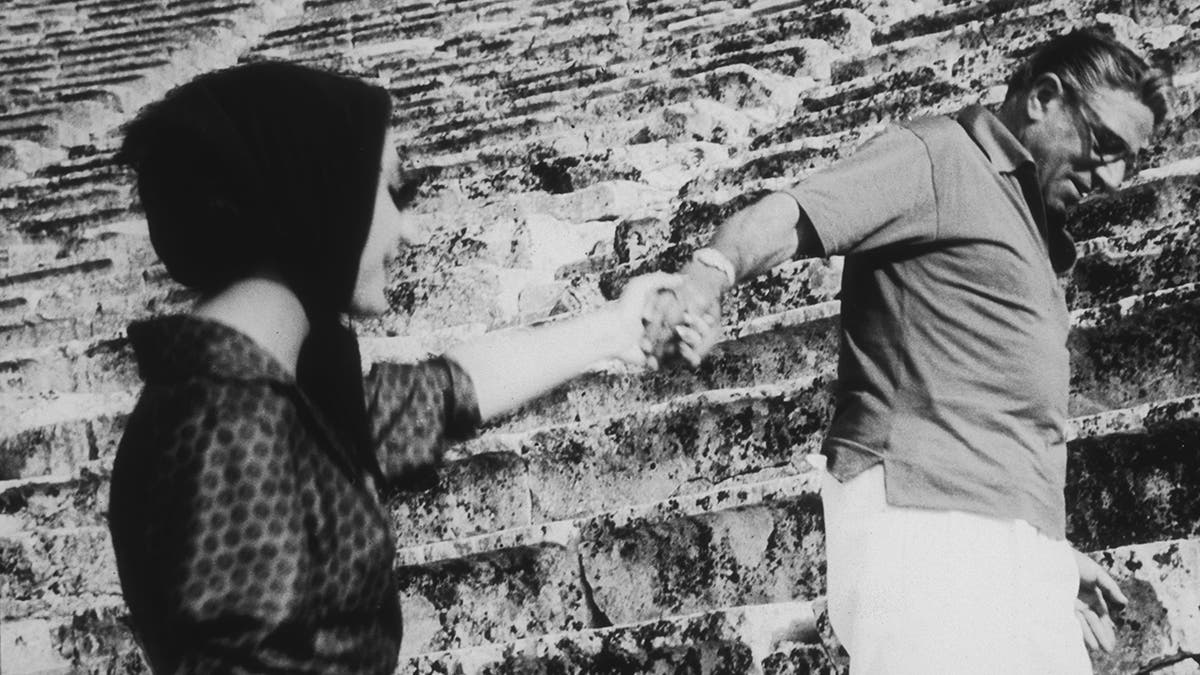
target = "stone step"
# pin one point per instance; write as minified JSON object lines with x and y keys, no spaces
{"x":746,"y":543}
{"x":1134,"y":351}
{"x":1158,"y":629}
{"x":46,"y":565}
{"x":87,"y":634}
{"x":623,"y":551}
{"x":530,"y":236}
{"x":980,"y":46}
{"x":792,"y":343}
{"x":980,"y":51}
{"x":31,"y":206}
{"x":562,"y":163}
{"x":1154,"y":630}
{"x":736,"y":639}
{"x":978,"y":57}
{"x":598,"y":92}
{"x":759,"y":639}
{"x":55,"y":502}
{"x":348,"y":26}
{"x":1157,"y":14}
{"x":1167,"y":151}
{"x":368,"y":35}
{"x":1110,"y":268}
{"x":428,"y":301}
{"x":615,"y":567}
{"x":517,"y":157}
{"x":679,"y":447}
{"x":711,"y":440}
{"x":1136,"y":479}
{"x":59,"y":433}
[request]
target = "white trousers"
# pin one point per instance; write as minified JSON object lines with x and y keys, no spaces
{"x":927,"y":592}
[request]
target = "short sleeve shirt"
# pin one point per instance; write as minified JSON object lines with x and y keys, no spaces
{"x":953,"y":362}
{"x":248,"y":539}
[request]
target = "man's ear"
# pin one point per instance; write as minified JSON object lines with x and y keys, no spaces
{"x":1044,"y":91}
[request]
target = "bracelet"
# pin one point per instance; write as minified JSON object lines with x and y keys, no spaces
{"x":711,"y":257}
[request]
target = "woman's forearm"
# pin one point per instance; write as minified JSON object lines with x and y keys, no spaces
{"x":512,"y":367}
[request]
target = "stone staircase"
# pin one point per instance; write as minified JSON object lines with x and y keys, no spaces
{"x":629,"y":522}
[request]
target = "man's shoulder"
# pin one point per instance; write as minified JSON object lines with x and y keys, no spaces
{"x":951,"y":149}
{"x":939,"y":130}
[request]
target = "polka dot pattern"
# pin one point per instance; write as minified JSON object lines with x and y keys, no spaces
{"x":243,"y":542}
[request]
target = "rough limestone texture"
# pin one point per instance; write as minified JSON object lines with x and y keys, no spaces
{"x":628,"y":522}
{"x":1162,"y":624}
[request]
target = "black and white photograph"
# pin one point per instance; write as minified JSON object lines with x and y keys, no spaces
{"x":600,"y":337}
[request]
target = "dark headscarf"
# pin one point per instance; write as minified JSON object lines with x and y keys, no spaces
{"x":270,"y":165}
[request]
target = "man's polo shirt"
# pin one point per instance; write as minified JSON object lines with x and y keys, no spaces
{"x":953,"y":366}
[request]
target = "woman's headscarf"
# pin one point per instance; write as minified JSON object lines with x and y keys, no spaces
{"x":270,"y":164}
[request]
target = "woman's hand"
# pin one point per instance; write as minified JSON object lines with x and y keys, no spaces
{"x":639,"y":309}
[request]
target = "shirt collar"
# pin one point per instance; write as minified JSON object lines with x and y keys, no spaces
{"x":997,"y":142}
{"x":177,"y":347}
{"x":1008,"y":156}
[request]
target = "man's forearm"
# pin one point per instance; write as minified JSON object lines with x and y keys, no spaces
{"x":765,"y":234}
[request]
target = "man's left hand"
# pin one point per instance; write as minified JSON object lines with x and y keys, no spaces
{"x":1097,"y":592}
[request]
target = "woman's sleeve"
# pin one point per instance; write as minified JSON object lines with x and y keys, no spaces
{"x":414,"y":409}
{"x":225,"y":529}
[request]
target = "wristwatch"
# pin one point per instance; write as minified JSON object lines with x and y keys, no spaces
{"x":711,"y":257}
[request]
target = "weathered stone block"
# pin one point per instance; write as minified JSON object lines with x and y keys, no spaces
{"x":724,"y":641}
{"x":1161,"y":624}
{"x":52,"y":449}
{"x":26,"y":648}
{"x":58,"y":562}
{"x":1134,"y":356}
{"x":1125,"y":488}
{"x":763,"y":545}
{"x":479,"y":592}
{"x":105,"y":365}
{"x":486,"y":492}
{"x":95,"y":639}
{"x":1142,"y":262}
{"x":681,"y":448}
{"x":57,"y":435}
{"x":81,"y":501}
{"x":467,"y":295}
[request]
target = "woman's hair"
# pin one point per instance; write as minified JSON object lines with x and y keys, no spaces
{"x":265,"y":165}
{"x":1086,"y":60}
{"x":272,"y":167}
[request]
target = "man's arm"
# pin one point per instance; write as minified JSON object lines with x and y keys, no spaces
{"x":510,"y":368}
{"x":755,"y":239}
{"x":767,"y":233}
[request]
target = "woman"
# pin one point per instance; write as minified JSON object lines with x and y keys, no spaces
{"x":245,"y":514}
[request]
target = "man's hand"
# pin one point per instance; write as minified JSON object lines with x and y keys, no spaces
{"x":635,"y":311}
{"x":684,"y":322}
{"x":1097,"y":591}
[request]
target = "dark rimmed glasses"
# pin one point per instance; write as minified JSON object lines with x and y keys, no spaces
{"x":1107,"y":146}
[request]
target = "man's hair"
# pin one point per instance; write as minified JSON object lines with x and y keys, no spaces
{"x":1087,"y":60}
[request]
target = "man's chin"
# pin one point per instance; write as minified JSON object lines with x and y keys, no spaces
{"x":1056,"y":211}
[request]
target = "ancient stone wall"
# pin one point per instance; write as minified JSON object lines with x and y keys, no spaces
{"x":629,"y":522}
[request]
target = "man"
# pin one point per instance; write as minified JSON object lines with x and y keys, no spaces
{"x":945,"y":517}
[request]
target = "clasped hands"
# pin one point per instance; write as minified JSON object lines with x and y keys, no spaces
{"x":677,"y":316}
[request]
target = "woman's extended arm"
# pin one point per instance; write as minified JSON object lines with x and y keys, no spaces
{"x":512,"y":367}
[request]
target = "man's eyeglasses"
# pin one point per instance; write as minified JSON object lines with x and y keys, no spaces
{"x":1107,"y":145}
